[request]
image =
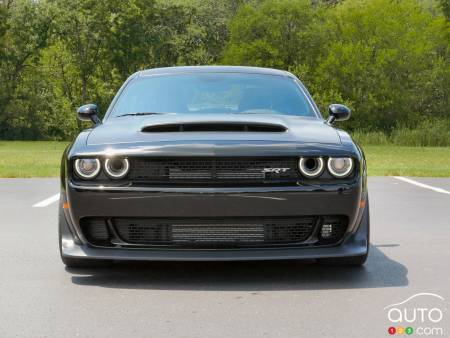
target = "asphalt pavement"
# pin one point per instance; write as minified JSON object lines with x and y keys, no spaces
{"x":409,"y":257}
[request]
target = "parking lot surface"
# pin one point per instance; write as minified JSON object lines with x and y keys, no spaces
{"x":39,"y":297}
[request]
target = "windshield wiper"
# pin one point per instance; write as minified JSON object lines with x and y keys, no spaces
{"x":142,"y":114}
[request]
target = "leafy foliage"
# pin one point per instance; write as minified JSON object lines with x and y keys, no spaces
{"x":388,"y":60}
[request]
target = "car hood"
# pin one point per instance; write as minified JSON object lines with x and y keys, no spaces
{"x":128,"y":129}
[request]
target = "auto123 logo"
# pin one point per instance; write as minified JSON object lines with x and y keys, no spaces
{"x":421,"y":314}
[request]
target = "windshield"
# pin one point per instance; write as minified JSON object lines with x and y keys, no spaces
{"x":211,"y":93}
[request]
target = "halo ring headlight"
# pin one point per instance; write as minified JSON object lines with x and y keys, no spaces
{"x":311,"y":167}
{"x":117,"y":168}
{"x":87,"y":168}
{"x":340,"y":167}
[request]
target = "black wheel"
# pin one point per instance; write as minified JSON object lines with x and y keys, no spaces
{"x":352,"y":260}
{"x":76,"y":262}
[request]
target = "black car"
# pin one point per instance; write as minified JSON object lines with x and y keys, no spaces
{"x":213,"y":163}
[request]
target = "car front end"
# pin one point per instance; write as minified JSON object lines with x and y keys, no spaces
{"x":213,"y":187}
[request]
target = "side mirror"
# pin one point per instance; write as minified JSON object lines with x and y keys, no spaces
{"x":88,"y":112}
{"x":338,"y":112}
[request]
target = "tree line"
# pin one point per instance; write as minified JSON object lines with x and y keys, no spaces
{"x":386,"y":59}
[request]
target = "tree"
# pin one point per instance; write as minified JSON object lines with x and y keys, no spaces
{"x":25,"y":28}
{"x":382,"y":56}
{"x":387,"y":59}
{"x":272,"y":34}
{"x":445,"y":6}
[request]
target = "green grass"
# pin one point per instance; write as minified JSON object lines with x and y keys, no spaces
{"x":407,"y":161}
{"x":42,"y":159}
{"x":428,"y":133}
{"x":30,"y":159}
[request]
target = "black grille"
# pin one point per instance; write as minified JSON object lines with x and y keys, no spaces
{"x":214,"y":170}
{"x":335,"y":226}
{"x":215,"y":232}
{"x":95,"y":230}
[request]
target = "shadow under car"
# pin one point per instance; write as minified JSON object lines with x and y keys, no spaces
{"x":379,"y":271}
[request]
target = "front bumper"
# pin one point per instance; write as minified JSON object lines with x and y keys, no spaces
{"x":214,"y":202}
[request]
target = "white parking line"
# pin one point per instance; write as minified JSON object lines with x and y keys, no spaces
{"x":422,"y":185}
{"x":47,"y":201}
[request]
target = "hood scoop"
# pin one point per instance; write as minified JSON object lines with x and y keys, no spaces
{"x":215,"y":127}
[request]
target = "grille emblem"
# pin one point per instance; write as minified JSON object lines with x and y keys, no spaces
{"x":275,"y":170}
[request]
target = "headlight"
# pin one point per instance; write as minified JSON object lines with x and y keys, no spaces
{"x":340,"y":167}
{"x":87,"y":168}
{"x":311,"y":167}
{"x":117,"y":168}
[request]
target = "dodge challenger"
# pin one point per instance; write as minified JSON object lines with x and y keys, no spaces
{"x":213,"y":163}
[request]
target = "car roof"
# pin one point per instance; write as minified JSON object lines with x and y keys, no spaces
{"x":213,"y":69}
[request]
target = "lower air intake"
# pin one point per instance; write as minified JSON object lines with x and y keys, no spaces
{"x":95,"y":230}
{"x":215,"y":233}
{"x":332,"y":229}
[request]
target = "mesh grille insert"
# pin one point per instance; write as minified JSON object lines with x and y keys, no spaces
{"x":95,"y":230}
{"x":336,"y":225}
{"x":213,"y":170}
{"x":213,"y":233}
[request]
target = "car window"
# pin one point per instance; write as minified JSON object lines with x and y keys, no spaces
{"x":213,"y":93}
